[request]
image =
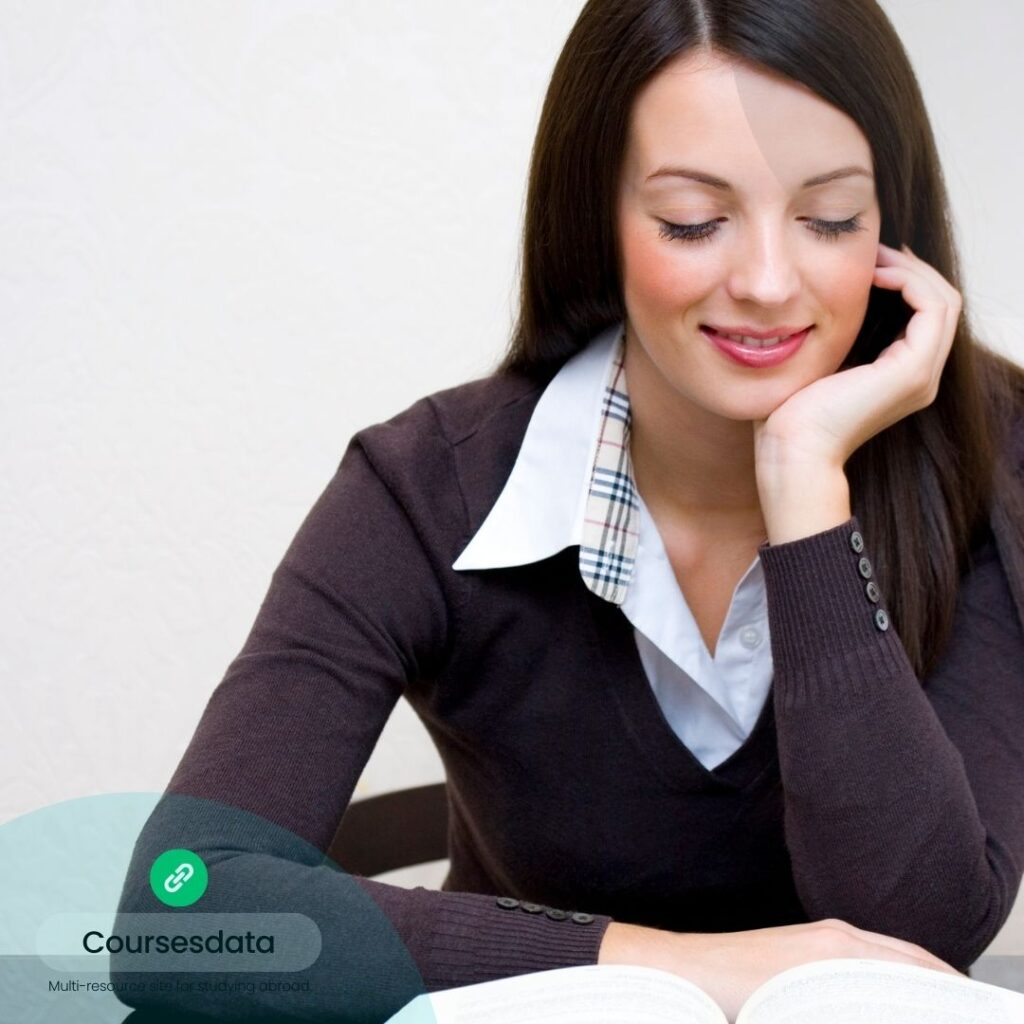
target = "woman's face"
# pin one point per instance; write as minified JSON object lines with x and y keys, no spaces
{"x":764,"y":263}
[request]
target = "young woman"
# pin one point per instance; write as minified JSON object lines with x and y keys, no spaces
{"x":710,"y":595}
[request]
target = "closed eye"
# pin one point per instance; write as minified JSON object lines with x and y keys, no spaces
{"x":825,"y":229}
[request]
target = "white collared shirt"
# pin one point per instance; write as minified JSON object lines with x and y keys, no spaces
{"x":571,"y":485}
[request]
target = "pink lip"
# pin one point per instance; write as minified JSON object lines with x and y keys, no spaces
{"x":757,"y":358}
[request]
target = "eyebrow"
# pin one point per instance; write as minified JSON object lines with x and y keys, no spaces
{"x":720,"y":183}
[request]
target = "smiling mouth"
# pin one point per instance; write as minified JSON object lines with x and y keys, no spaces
{"x":754,"y":342}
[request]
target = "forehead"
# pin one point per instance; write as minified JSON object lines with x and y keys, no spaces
{"x":752,"y":127}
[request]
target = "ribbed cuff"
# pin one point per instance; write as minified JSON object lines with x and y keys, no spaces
{"x":830,"y":640}
{"x":460,"y":938}
{"x":476,"y":939}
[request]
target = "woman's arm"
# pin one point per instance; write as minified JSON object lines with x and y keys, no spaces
{"x":904,"y":806}
{"x":353,"y":613}
{"x":904,"y":809}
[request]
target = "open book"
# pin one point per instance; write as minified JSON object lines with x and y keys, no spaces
{"x":836,"y":991}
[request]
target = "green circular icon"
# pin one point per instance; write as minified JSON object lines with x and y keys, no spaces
{"x":178,"y":877}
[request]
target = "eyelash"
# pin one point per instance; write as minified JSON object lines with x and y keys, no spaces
{"x":824,"y":229}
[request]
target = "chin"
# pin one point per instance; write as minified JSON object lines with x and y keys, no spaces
{"x":758,"y":407}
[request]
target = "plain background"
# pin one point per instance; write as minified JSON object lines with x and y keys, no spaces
{"x":233,"y":234}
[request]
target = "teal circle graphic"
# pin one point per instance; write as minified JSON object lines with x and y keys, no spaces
{"x":84,"y":865}
{"x":178,"y":878}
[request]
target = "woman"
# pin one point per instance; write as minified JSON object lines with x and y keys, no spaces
{"x":720,"y":641}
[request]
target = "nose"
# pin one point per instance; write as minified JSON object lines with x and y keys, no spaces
{"x":763,"y":267}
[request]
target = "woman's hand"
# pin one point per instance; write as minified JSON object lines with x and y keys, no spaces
{"x":729,"y":966}
{"x":827,"y":421}
{"x":801,"y":448}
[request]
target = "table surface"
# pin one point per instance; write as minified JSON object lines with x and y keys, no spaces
{"x":1007,"y":971}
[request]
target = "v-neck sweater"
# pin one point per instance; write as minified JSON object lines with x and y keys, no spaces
{"x":572,"y":485}
{"x":862,"y":793}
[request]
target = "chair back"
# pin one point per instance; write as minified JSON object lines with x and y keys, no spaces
{"x":393,"y":830}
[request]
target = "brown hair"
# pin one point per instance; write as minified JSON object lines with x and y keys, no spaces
{"x":925,"y":488}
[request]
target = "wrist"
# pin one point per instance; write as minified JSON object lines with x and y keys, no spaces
{"x":801,"y":501}
{"x":639,"y":946}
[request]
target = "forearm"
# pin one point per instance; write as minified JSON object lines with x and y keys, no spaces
{"x":882,"y":825}
{"x":640,"y":946}
{"x":382,"y":945}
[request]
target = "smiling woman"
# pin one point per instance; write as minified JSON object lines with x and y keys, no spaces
{"x":711,"y":595}
{"x":771,"y":271}
{"x":752,"y":174}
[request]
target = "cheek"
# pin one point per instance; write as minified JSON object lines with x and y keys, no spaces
{"x":846,"y":289}
{"x":844,"y":294}
{"x":658,"y":274}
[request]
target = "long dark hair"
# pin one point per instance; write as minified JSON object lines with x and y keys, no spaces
{"x":926,"y":488}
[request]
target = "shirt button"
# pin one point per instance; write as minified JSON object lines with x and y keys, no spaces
{"x":750,"y":637}
{"x":872,"y":591}
{"x":881,"y":619}
{"x":864,"y":568}
{"x":531,"y":908}
{"x":856,"y":542}
{"x":555,"y":914}
{"x":507,"y":902}
{"x":580,"y":918}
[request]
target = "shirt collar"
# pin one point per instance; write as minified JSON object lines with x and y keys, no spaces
{"x":572,"y":481}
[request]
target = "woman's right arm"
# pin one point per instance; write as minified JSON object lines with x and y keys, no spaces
{"x":729,"y":966}
{"x":354,"y":613}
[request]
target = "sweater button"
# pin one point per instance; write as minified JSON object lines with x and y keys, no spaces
{"x":856,"y":542}
{"x":531,"y":908}
{"x":864,"y":568}
{"x":507,"y":902}
{"x":881,"y":619}
{"x":580,"y":918}
{"x":873,"y":592}
{"x":555,"y":914}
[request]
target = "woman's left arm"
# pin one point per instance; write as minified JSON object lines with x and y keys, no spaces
{"x":904,"y":805}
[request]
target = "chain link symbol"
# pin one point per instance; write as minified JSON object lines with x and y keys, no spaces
{"x":178,"y":878}
{"x":174,"y":881}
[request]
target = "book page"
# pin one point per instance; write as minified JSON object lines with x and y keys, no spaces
{"x":590,"y":994}
{"x":863,"y":991}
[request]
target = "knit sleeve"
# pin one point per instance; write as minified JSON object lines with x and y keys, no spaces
{"x":904,"y":804}
{"x":353,"y":614}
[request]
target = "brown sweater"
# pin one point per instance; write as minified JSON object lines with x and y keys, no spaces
{"x":860,"y":794}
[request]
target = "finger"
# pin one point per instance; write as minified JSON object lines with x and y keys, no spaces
{"x":887,"y":254}
{"x":890,"y":946}
{"x":908,"y":949}
{"x":906,"y":257}
{"x":934,"y":317}
{"x":919,"y":292}
{"x":922,"y":959}
{"x":889,"y":258}
{"x":935,"y":964}
{"x":916,"y":285}
{"x":881,"y":939}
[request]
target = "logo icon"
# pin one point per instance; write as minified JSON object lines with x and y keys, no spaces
{"x":178,"y":878}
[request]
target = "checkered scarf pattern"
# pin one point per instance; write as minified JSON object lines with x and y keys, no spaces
{"x":610,"y":523}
